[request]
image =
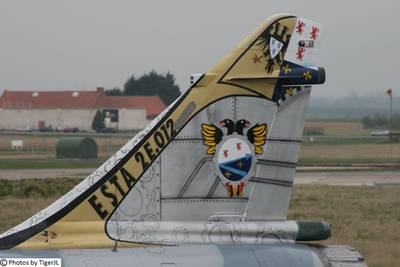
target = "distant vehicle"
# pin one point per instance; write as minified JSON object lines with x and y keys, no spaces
{"x":24,"y":129}
{"x":70,"y":130}
{"x":47,"y":129}
{"x":380,"y":133}
{"x":109,"y":130}
{"x":208,"y":182}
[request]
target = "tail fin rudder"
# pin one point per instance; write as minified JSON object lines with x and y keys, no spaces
{"x":273,"y":179}
{"x":198,"y":160}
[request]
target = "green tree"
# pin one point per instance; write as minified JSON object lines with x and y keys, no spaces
{"x":368,"y":122}
{"x":114,"y":92}
{"x":378,"y":121}
{"x":153,"y":83}
{"x":98,"y":121}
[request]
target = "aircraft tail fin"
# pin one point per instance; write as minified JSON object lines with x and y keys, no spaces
{"x":225,"y":150}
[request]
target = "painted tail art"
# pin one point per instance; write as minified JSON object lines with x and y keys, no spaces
{"x":225,"y":151}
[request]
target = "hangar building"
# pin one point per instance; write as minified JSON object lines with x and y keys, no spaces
{"x":35,"y":110}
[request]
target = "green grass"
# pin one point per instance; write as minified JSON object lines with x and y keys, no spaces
{"x":36,"y":187}
{"x":36,"y":149}
{"x":79,"y":134}
{"x":320,"y":140}
{"x":49,"y":163}
{"x":369,"y":169}
{"x":333,"y":120}
{"x":345,"y":161}
{"x":23,"y":198}
{"x":364,"y":217}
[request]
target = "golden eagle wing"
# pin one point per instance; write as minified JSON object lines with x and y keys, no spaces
{"x":212,"y":135}
{"x":257,"y":135}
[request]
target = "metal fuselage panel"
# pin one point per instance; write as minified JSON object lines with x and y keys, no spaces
{"x":293,"y":255}
{"x":185,"y":174}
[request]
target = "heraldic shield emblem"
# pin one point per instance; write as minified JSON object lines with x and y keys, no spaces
{"x":275,"y":47}
{"x":234,"y":152}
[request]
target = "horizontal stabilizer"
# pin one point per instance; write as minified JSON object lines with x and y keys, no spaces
{"x":296,"y":76}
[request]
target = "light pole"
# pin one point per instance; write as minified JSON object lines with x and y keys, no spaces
{"x":390,"y":94}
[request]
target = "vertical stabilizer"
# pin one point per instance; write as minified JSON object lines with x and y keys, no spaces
{"x":225,"y":150}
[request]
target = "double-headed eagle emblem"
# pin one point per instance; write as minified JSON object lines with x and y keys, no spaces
{"x":234,"y":152}
{"x":212,"y":135}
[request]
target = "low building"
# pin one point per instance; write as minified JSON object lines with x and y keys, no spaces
{"x":36,"y":110}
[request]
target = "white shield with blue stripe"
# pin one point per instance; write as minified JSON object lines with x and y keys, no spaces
{"x":234,"y":160}
{"x":275,"y":47}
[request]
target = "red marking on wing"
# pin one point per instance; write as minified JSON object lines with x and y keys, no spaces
{"x":225,"y":153}
{"x":300,"y":53}
{"x":239,"y":146}
{"x":314,"y":33}
{"x":300,"y":27}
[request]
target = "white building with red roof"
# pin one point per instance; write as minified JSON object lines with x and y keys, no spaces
{"x":32,"y":110}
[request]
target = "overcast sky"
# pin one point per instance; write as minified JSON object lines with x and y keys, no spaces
{"x":82,"y":44}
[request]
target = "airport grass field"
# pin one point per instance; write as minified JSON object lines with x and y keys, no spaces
{"x":321,"y":152}
{"x":342,"y":142}
{"x":366,"y":218}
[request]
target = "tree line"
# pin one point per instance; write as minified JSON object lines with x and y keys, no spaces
{"x":151,"y":83}
{"x":378,"y":121}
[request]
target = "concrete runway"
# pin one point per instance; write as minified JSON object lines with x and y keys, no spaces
{"x":350,"y":178}
{"x":346,"y":176}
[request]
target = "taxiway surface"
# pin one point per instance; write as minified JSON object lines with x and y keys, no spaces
{"x":346,"y":176}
